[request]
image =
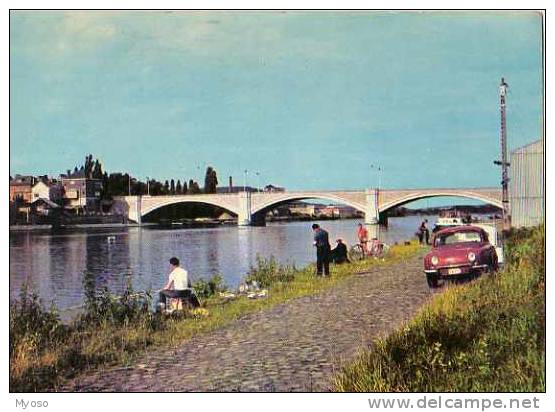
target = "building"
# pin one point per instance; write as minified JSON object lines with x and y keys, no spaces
{"x":49,"y":190}
{"x":302,"y":208}
{"x":21,"y":187}
{"x":346,"y":212}
{"x":81,"y":193}
{"x":526,"y":185}
{"x":44,"y":207}
{"x":272,"y":188}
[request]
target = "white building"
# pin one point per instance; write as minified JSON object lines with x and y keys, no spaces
{"x":526,"y":185}
{"x":48,"y":191}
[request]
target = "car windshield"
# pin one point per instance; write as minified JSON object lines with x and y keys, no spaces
{"x":458,"y":237}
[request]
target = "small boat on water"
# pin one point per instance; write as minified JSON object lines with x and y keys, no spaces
{"x":450,"y":218}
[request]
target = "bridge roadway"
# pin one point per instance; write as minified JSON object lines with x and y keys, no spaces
{"x":252,"y":207}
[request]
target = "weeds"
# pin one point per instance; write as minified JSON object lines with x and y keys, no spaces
{"x":268,"y":272}
{"x":208,"y":288}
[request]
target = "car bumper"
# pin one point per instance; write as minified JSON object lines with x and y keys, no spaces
{"x":449,"y":273}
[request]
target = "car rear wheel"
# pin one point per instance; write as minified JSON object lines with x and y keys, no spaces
{"x":432,"y":280}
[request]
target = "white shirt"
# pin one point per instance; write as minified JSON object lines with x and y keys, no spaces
{"x":179,"y":277}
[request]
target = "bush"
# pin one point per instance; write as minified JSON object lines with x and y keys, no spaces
{"x":207,"y":288}
{"x":269,"y":271}
{"x":31,"y":323}
{"x":105,"y":307}
{"x":43,"y":351}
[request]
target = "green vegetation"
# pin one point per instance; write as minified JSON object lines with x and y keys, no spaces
{"x":269,"y":272}
{"x":488,"y":335}
{"x":112,"y":330}
{"x":206,"y":288}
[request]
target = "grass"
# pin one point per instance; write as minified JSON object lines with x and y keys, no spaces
{"x":487,"y":336}
{"x":44,"y":353}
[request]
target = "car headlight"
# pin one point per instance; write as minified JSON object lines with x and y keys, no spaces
{"x":471,"y":256}
{"x":434,"y":260}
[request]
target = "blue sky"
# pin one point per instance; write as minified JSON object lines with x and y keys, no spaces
{"x":308,"y":99}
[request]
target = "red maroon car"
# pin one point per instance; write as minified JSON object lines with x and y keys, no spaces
{"x":460,"y":252}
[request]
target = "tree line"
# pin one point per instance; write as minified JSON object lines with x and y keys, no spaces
{"x":122,"y":184}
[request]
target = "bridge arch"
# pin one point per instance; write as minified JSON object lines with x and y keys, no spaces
{"x":285,"y":198}
{"x":428,"y":194}
{"x":148,"y":208}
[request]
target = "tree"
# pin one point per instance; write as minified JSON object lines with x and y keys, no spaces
{"x":97,"y":170}
{"x":184,"y":188}
{"x":105,"y":193}
{"x":210,"y":180}
{"x":178,"y":187}
{"x":193,"y":187}
{"x":166,"y":187}
{"x":172,"y":187}
{"x":89,"y":164}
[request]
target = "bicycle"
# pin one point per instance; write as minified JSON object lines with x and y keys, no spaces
{"x":377,"y":250}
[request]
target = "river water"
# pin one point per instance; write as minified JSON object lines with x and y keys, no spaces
{"x":53,"y":263}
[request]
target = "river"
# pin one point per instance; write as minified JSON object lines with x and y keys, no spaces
{"x":53,"y":263}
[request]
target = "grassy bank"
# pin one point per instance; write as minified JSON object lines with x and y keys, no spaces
{"x":488,"y":335}
{"x":44,"y":352}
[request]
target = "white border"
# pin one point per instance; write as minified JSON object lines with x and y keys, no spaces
{"x":243,"y":402}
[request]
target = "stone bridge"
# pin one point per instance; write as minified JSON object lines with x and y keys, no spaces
{"x":250,"y":207}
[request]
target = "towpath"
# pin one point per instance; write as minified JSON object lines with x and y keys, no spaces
{"x":295,"y":346}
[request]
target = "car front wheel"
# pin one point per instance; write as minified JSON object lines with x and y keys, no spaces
{"x":432,"y":280}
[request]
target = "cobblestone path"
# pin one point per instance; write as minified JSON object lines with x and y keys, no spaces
{"x":294,"y":346}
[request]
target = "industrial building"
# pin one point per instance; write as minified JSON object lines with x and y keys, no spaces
{"x":527,"y":185}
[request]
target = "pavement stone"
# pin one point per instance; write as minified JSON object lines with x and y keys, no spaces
{"x":294,"y":346}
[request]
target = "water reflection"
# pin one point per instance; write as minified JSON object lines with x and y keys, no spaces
{"x":54,"y":263}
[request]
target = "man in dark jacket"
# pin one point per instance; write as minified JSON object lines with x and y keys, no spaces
{"x":322,"y":243}
{"x":339,"y":255}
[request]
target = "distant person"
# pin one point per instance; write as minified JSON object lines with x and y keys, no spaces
{"x":339,"y":253}
{"x":419,"y":234}
{"x":425,"y":232}
{"x":362,"y":234}
{"x":178,"y":285}
{"x":323,"y":250}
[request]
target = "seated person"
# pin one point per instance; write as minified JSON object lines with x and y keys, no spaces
{"x":339,"y":253}
{"x":178,"y":286}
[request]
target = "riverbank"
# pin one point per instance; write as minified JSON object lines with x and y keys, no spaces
{"x":296,"y":345}
{"x":181,"y":224}
{"x":486,"y":336}
{"x":27,"y":228}
{"x":44,"y":353}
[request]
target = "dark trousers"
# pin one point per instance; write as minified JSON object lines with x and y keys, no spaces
{"x":420,"y":235}
{"x":323,"y":260}
{"x":186,"y":295}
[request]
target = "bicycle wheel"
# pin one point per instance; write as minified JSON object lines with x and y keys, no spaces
{"x":356,"y":253}
{"x":385,"y":249}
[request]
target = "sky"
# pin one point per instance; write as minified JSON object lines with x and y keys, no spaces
{"x":309,"y":100}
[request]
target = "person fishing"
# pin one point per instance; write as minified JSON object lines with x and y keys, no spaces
{"x":323,"y":249}
{"x":339,"y":254}
{"x":178,"y":286}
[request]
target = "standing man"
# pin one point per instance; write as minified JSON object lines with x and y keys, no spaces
{"x":426,"y":231}
{"x":362,"y":234}
{"x":323,"y":249}
{"x":178,"y":285}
